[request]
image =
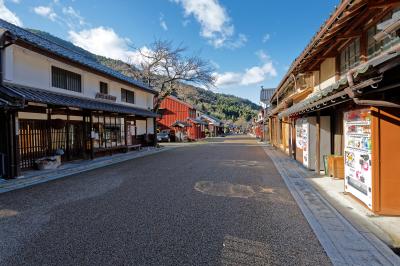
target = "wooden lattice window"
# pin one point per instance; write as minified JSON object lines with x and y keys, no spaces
{"x":350,"y":56}
{"x":64,"y":79}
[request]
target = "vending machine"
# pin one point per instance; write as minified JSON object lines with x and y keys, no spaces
{"x":306,"y":140}
{"x":357,"y":154}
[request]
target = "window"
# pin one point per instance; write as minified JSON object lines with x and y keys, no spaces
{"x":109,"y":132}
{"x":103,"y":87}
{"x":350,"y":56}
{"x":65,"y":79}
{"x":376,"y":47}
{"x":127,"y":96}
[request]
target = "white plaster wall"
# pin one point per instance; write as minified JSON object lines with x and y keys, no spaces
{"x":140,"y":127}
{"x":150,"y":125}
{"x":25,"y":67}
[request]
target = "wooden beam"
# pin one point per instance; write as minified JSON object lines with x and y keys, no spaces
{"x":383,"y":4}
{"x":377,"y":17}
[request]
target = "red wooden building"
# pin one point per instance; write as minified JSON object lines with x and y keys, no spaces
{"x":180,"y":117}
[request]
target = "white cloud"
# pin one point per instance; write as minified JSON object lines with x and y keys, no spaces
{"x":72,"y":17}
{"x":45,"y":11}
{"x":266,"y":38}
{"x":249,"y":76}
{"x":8,"y":15}
{"x":102,"y":41}
{"x":163,"y":24}
{"x":16,"y":1}
{"x":215,"y":22}
{"x":106,"y":42}
{"x":228,"y":78}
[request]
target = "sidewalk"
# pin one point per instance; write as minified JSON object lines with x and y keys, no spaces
{"x":386,"y":228}
{"x":345,"y":242}
{"x":34,"y":177}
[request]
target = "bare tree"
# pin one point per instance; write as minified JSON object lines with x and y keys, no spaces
{"x":163,"y":66}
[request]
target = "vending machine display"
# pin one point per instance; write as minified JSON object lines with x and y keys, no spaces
{"x":358,"y":172}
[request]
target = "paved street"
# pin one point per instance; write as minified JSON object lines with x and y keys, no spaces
{"x":222,"y":202}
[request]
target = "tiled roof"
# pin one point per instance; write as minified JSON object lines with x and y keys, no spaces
{"x":197,"y":121}
{"x":266,"y":94}
{"x":178,"y":123}
{"x":68,"y":53}
{"x":48,"y":97}
{"x":213,"y":119}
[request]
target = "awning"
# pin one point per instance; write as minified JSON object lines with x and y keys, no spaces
{"x":197,"y":121}
{"x":326,"y":101}
{"x":313,"y":98}
{"x":47,"y":97}
{"x":180,"y":124}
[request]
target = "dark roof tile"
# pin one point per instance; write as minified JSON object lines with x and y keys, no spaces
{"x":60,"y":50}
{"x":49,"y":97}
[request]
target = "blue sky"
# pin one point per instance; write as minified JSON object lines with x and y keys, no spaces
{"x":250,"y":43}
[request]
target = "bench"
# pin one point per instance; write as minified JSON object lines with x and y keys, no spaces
{"x":134,"y":147}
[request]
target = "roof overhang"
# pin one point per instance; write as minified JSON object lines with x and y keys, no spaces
{"x":24,"y":94}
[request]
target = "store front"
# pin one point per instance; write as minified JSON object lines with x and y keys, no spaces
{"x":48,"y":124}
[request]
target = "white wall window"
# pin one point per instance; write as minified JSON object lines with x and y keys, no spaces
{"x":103,"y":87}
{"x":64,"y":79}
{"x":127,"y":96}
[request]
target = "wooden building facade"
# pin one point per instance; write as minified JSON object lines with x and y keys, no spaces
{"x":179,"y":116}
{"x":58,"y":100}
{"x":341,"y":97}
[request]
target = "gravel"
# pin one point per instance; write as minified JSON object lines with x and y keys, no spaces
{"x":219,"y":203}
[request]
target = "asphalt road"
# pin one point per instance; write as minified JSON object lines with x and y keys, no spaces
{"x":208,"y":204}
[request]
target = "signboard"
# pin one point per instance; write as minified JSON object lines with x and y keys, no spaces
{"x":305,"y":132}
{"x":357,"y":155}
{"x":299,"y":136}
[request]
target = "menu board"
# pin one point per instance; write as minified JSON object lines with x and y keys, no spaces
{"x":299,"y":133}
{"x":305,"y":133}
{"x":357,"y":155}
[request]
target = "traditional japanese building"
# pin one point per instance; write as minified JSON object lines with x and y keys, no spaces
{"x":56,"y":98}
{"x":215,"y":125}
{"x":181,"y":118}
{"x":341,"y":96}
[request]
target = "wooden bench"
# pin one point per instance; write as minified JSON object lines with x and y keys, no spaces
{"x":134,"y":147}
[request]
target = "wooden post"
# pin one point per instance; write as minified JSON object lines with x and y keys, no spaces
{"x":155,"y":131}
{"x":293,"y":124}
{"x":270,"y":130}
{"x":49,"y":142}
{"x":363,"y":47}
{"x":91,"y":138}
{"x":317,"y":146}
{"x":68,"y":148}
{"x":13,"y":148}
{"x":126,"y":130}
{"x":290,"y":138}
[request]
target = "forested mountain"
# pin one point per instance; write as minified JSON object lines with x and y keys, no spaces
{"x":223,"y":106}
